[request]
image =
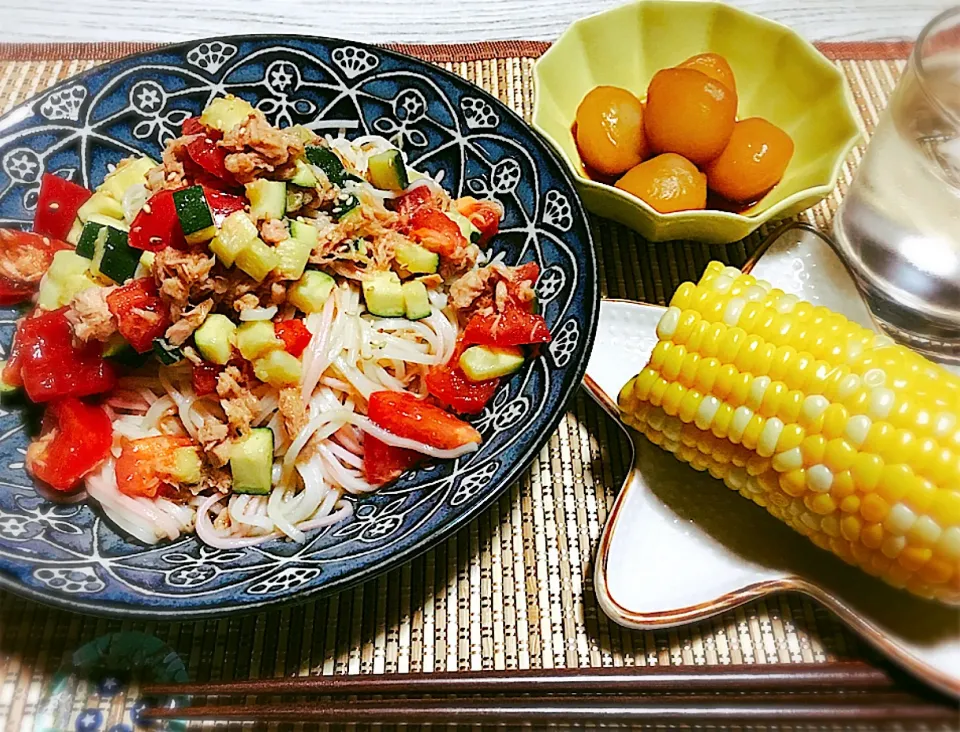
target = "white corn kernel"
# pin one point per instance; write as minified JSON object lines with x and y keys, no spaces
{"x":769,"y":435}
{"x":786,"y":303}
{"x":881,"y":403}
{"x":854,"y":349}
{"x":764,"y":285}
{"x":875,"y":378}
{"x":850,"y":383}
{"x":813,"y":406}
{"x":755,"y":293}
{"x":668,"y":324}
{"x":731,"y":316}
{"x":722,"y":283}
{"x":784,"y":462}
{"x":900,"y":519}
{"x":758,"y":387}
{"x":732,"y":272}
{"x":706,"y":412}
{"x":741,"y":418}
{"x":892,"y":546}
{"x":819,"y":478}
{"x":857,"y":428}
{"x":949,"y":543}
{"x":882,"y":341}
{"x":925,"y":531}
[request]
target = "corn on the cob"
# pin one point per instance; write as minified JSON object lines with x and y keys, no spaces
{"x":850,"y":439}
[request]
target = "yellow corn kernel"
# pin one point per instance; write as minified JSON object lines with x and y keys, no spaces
{"x":712,"y":338}
{"x":721,"y":420}
{"x":850,"y":504}
{"x":698,"y":334}
{"x":782,"y":358}
{"x":707,"y":370}
{"x":894,"y":483}
{"x":672,"y":362}
{"x":850,"y":528}
{"x":689,"y":405}
{"x":914,"y":557}
{"x":685,"y":325}
{"x":791,"y":437}
{"x":730,"y":344}
{"x":688,"y":369}
{"x":874,"y":508}
{"x":821,"y":503}
{"x":839,"y":455}
{"x":683,"y":295}
{"x":813,"y":449}
{"x":741,"y":389}
{"x":872,"y":535}
{"x":643,"y":383}
{"x":725,"y":381}
{"x":835,"y":420}
{"x":746,"y":359}
{"x":659,"y":354}
{"x":843,"y":485}
{"x":751,"y":435}
{"x":792,"y":404}
{"x":794,"y":483}
{"x":773,"y":399}
{"x":866,"y":470}
{"x":879,"y":438}
{"x":945,"y":508}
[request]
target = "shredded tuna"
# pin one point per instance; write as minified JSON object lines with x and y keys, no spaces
{"x":485,"y":289}
{"x":292,"y":410}
{"x":238,"y":402}
{"x":246,"y":302}
{"x":24,"y":264}
{"x":189,"y":321}
{"x":255,"y":148}
{"x":213,"y":437}
{"x":90,"y":316}
{"x":182,"y":277}
{"x":170,"y":173}
{"x":273,"y":231}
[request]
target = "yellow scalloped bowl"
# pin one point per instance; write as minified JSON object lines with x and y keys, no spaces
{"x":780,"y":77}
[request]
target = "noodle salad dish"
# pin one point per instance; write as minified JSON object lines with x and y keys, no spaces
{"x":239,"y":338}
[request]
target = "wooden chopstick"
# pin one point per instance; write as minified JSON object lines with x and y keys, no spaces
{"x":690,"y":709}
{"x":632,"y":680}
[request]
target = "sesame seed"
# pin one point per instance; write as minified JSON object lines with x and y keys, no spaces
{"x":146,"y":208}
{"x":46,"y":241}
{"x":208,"y":141}
{"x":156,"y":240}
{"x":243,"y":130}
{"x":54,"y":206}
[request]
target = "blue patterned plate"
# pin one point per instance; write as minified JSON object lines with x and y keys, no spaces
{"x":70,"y":555}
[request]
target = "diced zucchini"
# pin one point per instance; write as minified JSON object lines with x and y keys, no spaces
{"x":187,"y":465}
{"x":345,"y":206}
{"x":196,"y":220}
{"x":103,"y":203}
{"x":236,"y":232}
{"x":165,"y":353}
{"x":88,"y":236}
{"x":311,"y":291}
{"x":329,"y":162}
{"x":268,"y":199}
{"x":225,"y":113}
{"x":388,"y":172}
{"x":66,"y":277}
{"x":416,"y":259}
{"x":295,"y":251}
{"x":415,"y":300}
{"x":113,"y":257}
{"x":145,"y":266}
{"x":251,"y":462}
{"x":481,"y":363}
{"x":303,"y":176}
{"x":127,"y":173}
{"x":257,"y":337}
{"x":470,"y":232}
{"x":73,"y":236}
{"x":215,"y":338}
{"x":384,"y":295}
{"x":278,"y":368}
{"x":257,"y":259}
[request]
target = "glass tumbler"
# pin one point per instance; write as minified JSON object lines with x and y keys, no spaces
{"x":898,"y":228}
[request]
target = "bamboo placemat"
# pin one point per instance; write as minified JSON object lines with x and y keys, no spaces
{"x":515,"y":588}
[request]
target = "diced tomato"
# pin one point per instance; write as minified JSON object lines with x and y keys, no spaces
{"x":204,"y":151}
{"x":204,"y":377}
{"x":24,"y":258}
{"x":406,"y":416}
{"x":193,"y":126}
{"x":157,"y":227}
{"x":141,"y":314}
{"x":51,"y":367}
{"x":450,"y":386}
{"x":512,"y":326}
{"x":294,"y":335}
{"x":58,"y":205}
{"x":76,"y":437}
{"x":146,"y":463}
{"x":528,"y":272}
{"x":223,"y":204}
{"x":436,"y":231}
{"x":11,"y":375}
{"x":383,"y":463}
{"x":410,"y":202}
{"x":485,"y":215}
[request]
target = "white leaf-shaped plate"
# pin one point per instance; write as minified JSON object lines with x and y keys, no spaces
{"x":680,"y":547}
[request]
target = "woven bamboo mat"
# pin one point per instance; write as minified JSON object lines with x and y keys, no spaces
{"x":515,"y":588}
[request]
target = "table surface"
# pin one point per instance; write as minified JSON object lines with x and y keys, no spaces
{"x":413,"y":21}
